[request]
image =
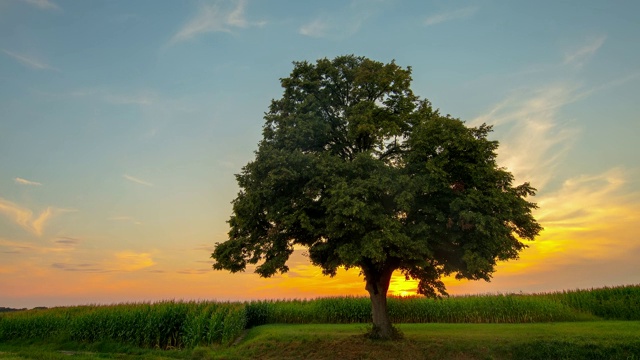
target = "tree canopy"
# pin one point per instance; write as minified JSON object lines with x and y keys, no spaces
{"x":365,"y":174}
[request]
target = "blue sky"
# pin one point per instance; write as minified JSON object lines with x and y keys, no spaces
{"x":123,"y":122}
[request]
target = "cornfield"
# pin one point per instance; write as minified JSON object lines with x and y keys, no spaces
{"x":176,"y":324}
{"x":163,"y":325}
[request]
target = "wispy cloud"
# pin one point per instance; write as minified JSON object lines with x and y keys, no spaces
{"x":588,"y":201}
{"x":343,"y":23}
{"x":137,"y":180}
{"x":126,"y":261}
{"x":580,"y":218}
{"x":14,"y":247}
{"x":615,"y":82}
{"x":579,"y":214}
{"x":316,"y":28}
{"x":535,"y":139}
{"x":132,"y":261}
{"x":83,"y":267}
{"x":66,"y":241}
{"x":579,"y":56}
{"x":22,"y":181}
{"x":43,"y":4}
{"x":450,"y":15}
{"x":221,"y":16}
{"x":24,"y":217}
{"x":30,"y":62}
{"x":195,"y":271}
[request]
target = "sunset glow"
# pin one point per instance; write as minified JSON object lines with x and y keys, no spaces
{"x":123,"y":124}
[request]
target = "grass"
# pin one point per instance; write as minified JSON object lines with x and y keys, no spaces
{"x":575,"y":340}
{"x":584,"y":340}
{"x":568,"y":324}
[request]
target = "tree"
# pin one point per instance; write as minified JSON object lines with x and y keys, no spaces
{"x":364,"y":174}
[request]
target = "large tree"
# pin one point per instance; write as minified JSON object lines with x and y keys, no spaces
{"x":365,"y":174}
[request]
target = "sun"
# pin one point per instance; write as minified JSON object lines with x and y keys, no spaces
{"x":400,"y":286}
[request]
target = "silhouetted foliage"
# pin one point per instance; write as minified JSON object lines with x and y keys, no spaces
{"x":7,"y":309}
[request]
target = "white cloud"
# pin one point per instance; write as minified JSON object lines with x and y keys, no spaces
{"x":343,"y":23}
{"x":236,"y":16}
{"x":30,"y":62}
{"x":579,"y":215}
{"x":26,"y":182}
{"x":43,"y":4}
{"x":137,"y":180}
{"x":221,"y":16}
{"x":450,"y":15}
{"x":535,"y":140}
{"x":316,"y":28}
{"x":579,"y":56}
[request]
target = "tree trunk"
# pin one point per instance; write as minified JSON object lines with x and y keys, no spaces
{"x":377,"y":286}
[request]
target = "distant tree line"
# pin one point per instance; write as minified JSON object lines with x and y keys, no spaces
{"x":7,"y":309}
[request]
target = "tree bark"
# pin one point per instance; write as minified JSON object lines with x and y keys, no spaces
{"x":377,"y":286}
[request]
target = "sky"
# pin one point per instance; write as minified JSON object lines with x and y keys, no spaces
{"x":122,"y":124}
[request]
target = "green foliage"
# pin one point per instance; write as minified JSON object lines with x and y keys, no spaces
{"x":32,"y":324}
{"x":482,"y":309}
{"x":471,"y":309}
{"x":553,"y":349}
{"x":6,"y":309}
{"x":172,"y":324}
{"x":336,"y":310}
{"x":614,"y":303}
{"x":362,"y":172}
{"x":234,"y":323}
{"x":162,"y":325}
{"x":583,"y":340}
{"x":578,"y":340}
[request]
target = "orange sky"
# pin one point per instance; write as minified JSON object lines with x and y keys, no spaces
{"x":575,"y":250}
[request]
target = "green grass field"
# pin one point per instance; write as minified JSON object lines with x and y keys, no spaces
{"x":576,"y":340}
{"x":598,"y":323}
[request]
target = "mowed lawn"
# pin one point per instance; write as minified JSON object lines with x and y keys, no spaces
{"x":574,"y":340}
